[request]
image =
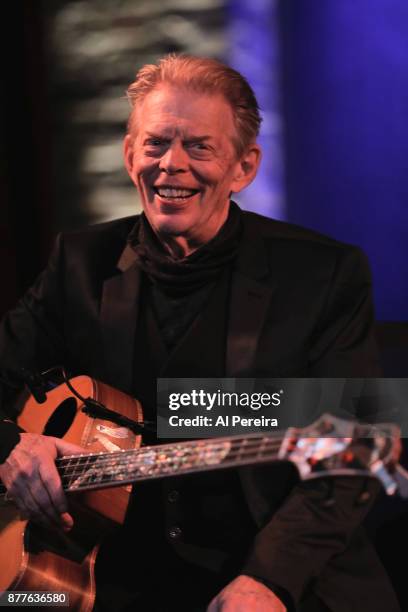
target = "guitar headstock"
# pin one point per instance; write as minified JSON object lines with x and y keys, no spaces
{"x":335,"y":447}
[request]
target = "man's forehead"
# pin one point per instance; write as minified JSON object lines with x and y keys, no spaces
{"x":183,"y":106}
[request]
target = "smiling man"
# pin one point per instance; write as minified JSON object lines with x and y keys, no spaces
{"x":194,"y":287}
{"x":185,"y":157}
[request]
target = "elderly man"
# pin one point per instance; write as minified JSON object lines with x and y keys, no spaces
{"x":196,"y":288}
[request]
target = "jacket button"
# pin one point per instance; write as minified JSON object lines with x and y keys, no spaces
{"x":175,"y":533}
{"x":363,"y":498}
{"x":173,"y":496}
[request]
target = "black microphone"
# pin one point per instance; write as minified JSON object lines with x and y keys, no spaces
{"x":36,"y":385}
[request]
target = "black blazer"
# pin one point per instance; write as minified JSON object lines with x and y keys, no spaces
{"x":300,"y":306}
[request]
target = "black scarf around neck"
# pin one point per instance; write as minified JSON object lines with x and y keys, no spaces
{"x":178,"y":277}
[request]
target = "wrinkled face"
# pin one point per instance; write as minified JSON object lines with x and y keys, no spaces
{"x":182,"y":160}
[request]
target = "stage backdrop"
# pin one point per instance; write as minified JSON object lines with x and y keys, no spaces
{"x":331,"y":77}
{"x":345,"y":87}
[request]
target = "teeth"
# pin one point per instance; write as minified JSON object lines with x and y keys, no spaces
{"x":168,"y":192}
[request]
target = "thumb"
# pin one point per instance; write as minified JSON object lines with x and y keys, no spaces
{"x":66,"y":448}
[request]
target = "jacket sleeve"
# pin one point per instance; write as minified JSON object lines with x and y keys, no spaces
{"x":31,"y":339}
{"x":308,"y":530}
{"x":343,"y":344}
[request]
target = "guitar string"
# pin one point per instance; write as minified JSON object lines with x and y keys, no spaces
{"x":120,"y":459}
{"x":108,"y":465}
{"x":150,"y":475}
{"x":227,"y":461}
{"x":121,"y":466}
{"x":170,"y":466}
{"x":96,"y":484}
{"x":118,"y":462}
{"x":74,"y":463}
{"x":193,"y":445}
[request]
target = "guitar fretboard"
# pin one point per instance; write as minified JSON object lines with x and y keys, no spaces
{"x":101,"y":470}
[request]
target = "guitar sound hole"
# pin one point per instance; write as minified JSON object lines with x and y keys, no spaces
{"x":61,"y":419}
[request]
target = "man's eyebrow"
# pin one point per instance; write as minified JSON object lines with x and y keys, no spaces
{"x":191,"y":138}
{"x":157,"y":136}
{"x":197,"y":138}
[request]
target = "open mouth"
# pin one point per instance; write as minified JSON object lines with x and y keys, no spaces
{"x":177,"y":194}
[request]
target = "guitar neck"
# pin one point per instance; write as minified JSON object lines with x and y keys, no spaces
{"x":104,"y":470}
{"x":328,"y":447}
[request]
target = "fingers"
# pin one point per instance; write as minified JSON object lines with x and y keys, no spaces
{"x":55,"y":506}
{"x":66,"y":448}
{"x":32,"y":480}
{"x":245,"y":593}
{"x":35,"y":509}
{"x":39,"y":496}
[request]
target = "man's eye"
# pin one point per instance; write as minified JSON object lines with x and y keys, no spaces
{"x":154,"y":142}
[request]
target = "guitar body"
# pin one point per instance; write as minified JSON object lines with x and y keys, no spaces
{"x":47,"y":560}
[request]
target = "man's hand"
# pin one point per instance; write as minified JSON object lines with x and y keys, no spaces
{"x":243,"y":594}
{"x":32,"y":480}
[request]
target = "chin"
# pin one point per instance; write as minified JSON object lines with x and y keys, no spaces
{"x":174,"y":225}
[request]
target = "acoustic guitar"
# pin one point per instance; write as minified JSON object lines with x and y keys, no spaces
{"x":99,"y":480}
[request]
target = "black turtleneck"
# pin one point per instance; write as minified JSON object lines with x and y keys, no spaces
{"x":178,"y":289}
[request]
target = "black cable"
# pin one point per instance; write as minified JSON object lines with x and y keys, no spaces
{"x":97,"y":410}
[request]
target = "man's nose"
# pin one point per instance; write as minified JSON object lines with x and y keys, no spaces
{"x":175,"y":159}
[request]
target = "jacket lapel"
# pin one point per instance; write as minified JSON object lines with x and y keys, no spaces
{"x":251,"y":292}
{"x":119,"y":310}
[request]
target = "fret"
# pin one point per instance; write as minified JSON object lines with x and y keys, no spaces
{"x":241,"y":449}
{"x":96,"y":472}
{"x":178,"y":459}
{"x":261,"y":448}
{"x":66,"y":467}
{"x":81,"y":472}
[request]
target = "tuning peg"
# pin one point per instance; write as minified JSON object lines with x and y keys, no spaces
{"x":380,"y":471}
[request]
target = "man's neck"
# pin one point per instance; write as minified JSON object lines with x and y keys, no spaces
{"x":180,"y":247}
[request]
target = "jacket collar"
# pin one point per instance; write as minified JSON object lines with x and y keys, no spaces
{"x":251,"y":292}
{"x":118,"y":316}
{"x":127,"y":258}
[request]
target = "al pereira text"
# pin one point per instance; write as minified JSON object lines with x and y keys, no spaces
{"x":222,"y":421}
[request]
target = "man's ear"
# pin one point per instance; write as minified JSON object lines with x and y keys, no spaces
{"x":128,"y":154}
{"x":247,"y":168}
